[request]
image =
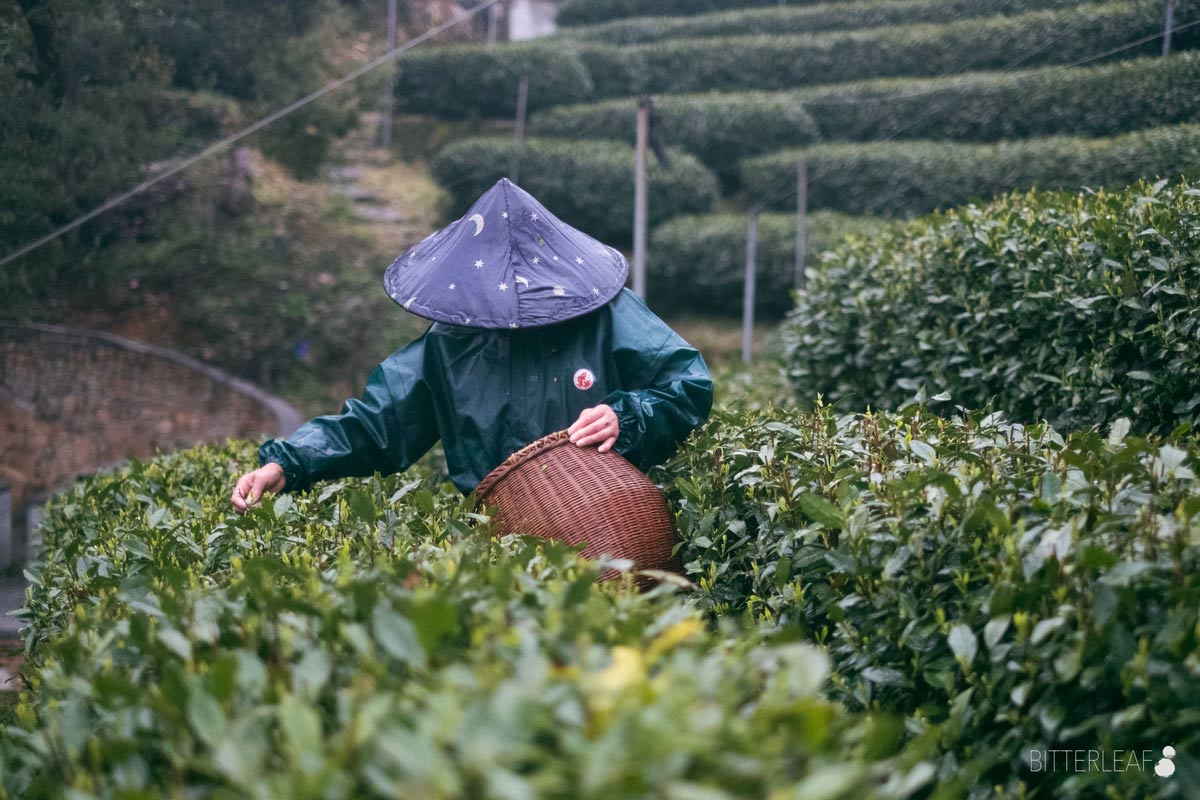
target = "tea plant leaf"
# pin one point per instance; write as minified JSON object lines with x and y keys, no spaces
{"x":963,"y":644}
{"x":820,"y":510}
{"x":397,"y":636}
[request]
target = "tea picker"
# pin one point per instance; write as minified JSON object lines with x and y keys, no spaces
{"x":534,"y":335}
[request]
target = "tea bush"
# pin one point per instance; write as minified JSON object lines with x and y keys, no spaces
{"x":771,"y":62}
{"x":588,"y":184}
{"x":466,"y":80}
{"x":1075,"y":309}
{"x":371,"y":640}
{"x":1006,"y":589}
{"x":477,"y":80}
{"x":584,"y":12}
{"x":801,"y":19}
{"x":698,"y":263}
{"x":911,"y":178}
{"x":719,"y":129}
{"x":722,"y":129}
{"x":1100,"y":100}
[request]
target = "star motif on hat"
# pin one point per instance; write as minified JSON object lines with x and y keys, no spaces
{"x":522,"y":259}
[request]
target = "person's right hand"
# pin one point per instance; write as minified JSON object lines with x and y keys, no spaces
{"x":253,"y":485}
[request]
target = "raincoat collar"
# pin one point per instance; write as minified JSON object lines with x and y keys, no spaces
{"x":507,"y":263}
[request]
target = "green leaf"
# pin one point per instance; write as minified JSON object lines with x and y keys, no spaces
{"x":820,"y":510}
{"x":362,"y":505}
{"x":206,"y":717}
{"x":397,"y":636}
{"x":301,"y":725}
{"x":963,"y":644}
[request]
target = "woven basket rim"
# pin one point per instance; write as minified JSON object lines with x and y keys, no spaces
{"x":510,"y":464}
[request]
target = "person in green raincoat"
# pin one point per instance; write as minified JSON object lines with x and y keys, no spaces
{"x":533,"y":332}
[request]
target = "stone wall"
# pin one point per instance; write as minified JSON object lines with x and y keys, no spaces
{"x":73,"y":401}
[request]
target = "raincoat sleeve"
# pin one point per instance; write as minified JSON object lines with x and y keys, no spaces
{"x":386,"y":430}
{"x":666,"y":389}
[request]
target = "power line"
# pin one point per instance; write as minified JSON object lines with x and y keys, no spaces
{"x":182,"y":164}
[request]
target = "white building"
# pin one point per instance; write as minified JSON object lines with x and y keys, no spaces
{"x":529,"y":19}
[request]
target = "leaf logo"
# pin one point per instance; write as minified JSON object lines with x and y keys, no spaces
{"x":1165,"y":767}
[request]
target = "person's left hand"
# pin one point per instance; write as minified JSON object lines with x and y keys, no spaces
{"x":594,"y":425}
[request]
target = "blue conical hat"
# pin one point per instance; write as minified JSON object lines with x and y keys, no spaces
{"x":508,"y":263}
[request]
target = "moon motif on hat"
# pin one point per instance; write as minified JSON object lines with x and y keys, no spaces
{"x":549,"y":271}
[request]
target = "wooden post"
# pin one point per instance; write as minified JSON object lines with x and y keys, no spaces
{"x":514,"y":166}
{"x":1169,"y":28}
{"x":7,"y":557}
{"x":639,"y":196}
{"x":493,"y":23}
{"x":748,"y":291}
{"x":801,"y":221}
{"x":389,"y":94}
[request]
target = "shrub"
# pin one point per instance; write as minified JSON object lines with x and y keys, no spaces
{"x":584,"y":12}
{"x":698,"y":263}
{"x":718,"y":129}
{"x":1076,"y":309}
{"x":907,"y":178}
{"x":784,"y":62}
{"x":1007,"y":590}
{"x":721,"y":129}
{"x":1101,"y":100}
{"x":587,"y":184}
{"x":802,"y":19}
{"x":481,"y":80}
{"x":367,"y":642}
{"x":475,"y":80}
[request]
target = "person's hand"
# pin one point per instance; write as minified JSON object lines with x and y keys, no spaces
{"x":253,"y":485}
{"x":594,"y":425}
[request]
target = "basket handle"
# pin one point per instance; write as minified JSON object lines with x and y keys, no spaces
{"x":526,"y":453}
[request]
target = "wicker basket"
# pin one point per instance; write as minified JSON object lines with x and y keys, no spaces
{"x":555,"y":490}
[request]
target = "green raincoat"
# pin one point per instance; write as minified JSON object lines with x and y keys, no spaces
{"x":487,"y":393}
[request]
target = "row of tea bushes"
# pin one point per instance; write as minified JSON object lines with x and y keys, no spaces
{"x":1007,"y":590}
{"x":803,"y":19}
{"x":369,"y":639}
{"x":721,"y":129}
{"x":587,"y":12}
{"x":987,"y":590}
{"x":464,"y":81}
{"x":1076,"y":309}
{"x":698,"y":263}
{"x":476,"y":80}
{"x":911,"y":178}
{"x":589,"y":184}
